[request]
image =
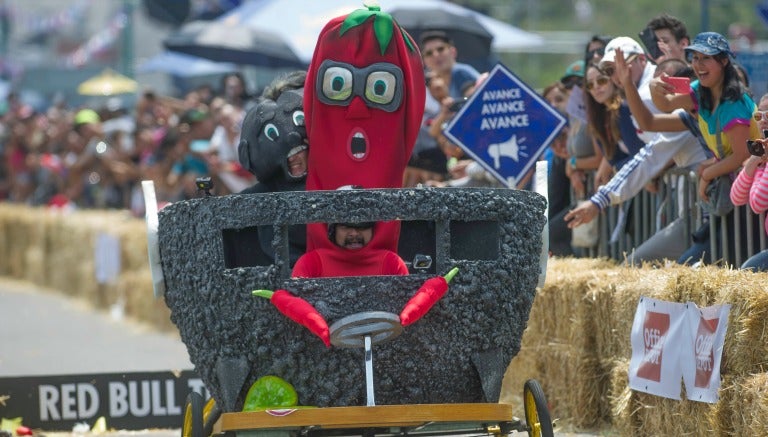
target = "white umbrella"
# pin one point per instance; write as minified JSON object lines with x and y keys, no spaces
{"x":183,"y":65}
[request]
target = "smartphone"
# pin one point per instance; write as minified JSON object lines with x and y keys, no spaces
{"x":457,"y":105}
{"x":682,"y":84}
{"x":651,"y":44}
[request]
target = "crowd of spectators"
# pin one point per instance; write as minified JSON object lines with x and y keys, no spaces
{"x":77,"y":157}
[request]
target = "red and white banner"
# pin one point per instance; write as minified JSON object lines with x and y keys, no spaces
{"x":658,"y":331}
{"x":673,"y":340}
{"x":701,"y":363}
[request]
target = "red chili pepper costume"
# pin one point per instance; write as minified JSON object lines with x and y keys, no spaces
{"x":363,"y":104}
{"x":366,"y":261}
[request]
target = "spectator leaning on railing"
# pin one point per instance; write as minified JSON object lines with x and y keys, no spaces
{"x":751,"y":185}
{"x":724,"y":115}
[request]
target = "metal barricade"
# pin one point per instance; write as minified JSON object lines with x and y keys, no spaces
{"x":647,"y":213}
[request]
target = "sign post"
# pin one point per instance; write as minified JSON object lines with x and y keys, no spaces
{"x":505,"y":126}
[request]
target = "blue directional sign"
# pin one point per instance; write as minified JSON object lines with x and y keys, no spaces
{"x":505,"y":126}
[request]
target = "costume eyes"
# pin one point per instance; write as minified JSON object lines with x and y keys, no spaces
{"x":380,"y":87}
{"x":271,"y":132}
{"x":337,"y":83}
{"x":298,"y":118}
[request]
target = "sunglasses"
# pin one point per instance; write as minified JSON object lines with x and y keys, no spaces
{"x":596,"y":52}
{"x":436,"y":50}
{"x":600,"y":81}
{"x":760,"y":115}
{"x":610,"y":69}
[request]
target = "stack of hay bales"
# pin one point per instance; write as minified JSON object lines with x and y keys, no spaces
{"x":56,"y":250}
{"x":577,"y":345}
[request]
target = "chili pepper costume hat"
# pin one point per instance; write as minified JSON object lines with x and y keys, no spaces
{"x":363,"y":105}
{"x":709,"y":43}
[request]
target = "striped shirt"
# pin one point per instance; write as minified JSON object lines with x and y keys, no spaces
{"x":753,"y":190}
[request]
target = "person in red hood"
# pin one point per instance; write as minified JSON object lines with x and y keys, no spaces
{"x":363,"y":104}
{"x":353,"y":239}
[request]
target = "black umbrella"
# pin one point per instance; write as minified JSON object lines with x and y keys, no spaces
{"x":237,"y":43}
{"x":471,"y":38}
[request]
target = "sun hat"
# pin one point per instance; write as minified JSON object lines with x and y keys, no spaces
{"x":709,"y":43}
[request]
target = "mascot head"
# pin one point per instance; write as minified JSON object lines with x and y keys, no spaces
{"x":364,"y":101}
{"x":273,"y":132}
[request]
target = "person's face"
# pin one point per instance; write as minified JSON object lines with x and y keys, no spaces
{"x":352,"y":238}
{"x":297,"y":164}
{"x":708,"y":69}
{"x":595,"y":52}
{"x":437,"y":87}
{"x":599,"y":85}
{"x":558,"y":99}
{"x":762,"y":114}
{"x":676,"y":48}
{"x":636,"y":64}
{"x":233,"y":87}
{"x":559,"y":145}
{"x":439,"y":56}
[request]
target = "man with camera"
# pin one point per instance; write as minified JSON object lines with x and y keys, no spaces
{"x":447,"y":82}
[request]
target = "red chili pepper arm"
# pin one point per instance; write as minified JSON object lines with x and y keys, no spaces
{"x":429,"y":293}
{"x":298,"y":310}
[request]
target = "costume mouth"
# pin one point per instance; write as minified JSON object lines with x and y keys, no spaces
{"x":296,"y":150}
{"x":358,"y":145}
{"x":297,"y":169}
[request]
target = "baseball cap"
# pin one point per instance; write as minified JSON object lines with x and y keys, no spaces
{"x":576,"y":69}
{"x":191,"y":116}
{"x":86,"y":116}
{"x":429,"y":35}
{"x":709,"y":43}
{"x":627,"y":45}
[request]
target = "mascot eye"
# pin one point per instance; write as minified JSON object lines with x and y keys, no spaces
{"x":271,"y":132}
{"x":380,"y":87}
{"x":298,"y":118}
{"x":337,"y":83}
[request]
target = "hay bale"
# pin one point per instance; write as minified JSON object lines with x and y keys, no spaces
{"x":619,"y":306}
{"x":623,"y":418}
{"x":136,"y":288}
{"x":559,"y":342}
{"x":746,"y":347}
{"x":745,"y":410}
{"x":729,"y":410}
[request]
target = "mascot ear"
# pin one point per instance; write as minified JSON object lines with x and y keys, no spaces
{"x":244,"y":155}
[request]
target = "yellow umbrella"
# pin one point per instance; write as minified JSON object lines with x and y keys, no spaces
{"x":107,"y":83}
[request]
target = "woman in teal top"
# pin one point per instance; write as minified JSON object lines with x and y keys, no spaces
{"x":719,"y":100}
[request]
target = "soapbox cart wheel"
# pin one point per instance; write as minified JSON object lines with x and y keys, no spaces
{"x":199,"y":416}
{"x":192,"y":426}
{"x":537,"y":419}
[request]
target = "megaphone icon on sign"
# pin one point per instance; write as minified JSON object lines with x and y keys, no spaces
{"x":509,"y":149}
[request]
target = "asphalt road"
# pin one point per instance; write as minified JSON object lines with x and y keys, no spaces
{"x":45,"y":333}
